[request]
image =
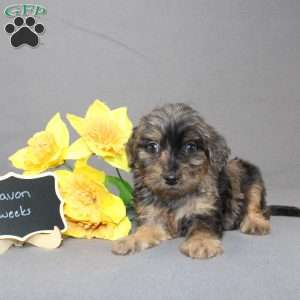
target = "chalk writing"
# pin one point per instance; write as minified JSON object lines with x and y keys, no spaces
{"x":29,"y":205}
{"x":15,"y":195}
{"x":12,"y":214}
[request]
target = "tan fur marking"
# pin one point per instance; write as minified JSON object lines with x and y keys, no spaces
{"x":254,"y":221}
{"x":146,"y":236}
{"x":157,"y":215}
{"x":196,"y":205}
{"x":151,"y":214}
{"x":234,"y":172}
{"x":164,"y":156}
{"x":255,"y":224}
{"x":153,"y":172}
{"x":254,"y":198}
{"x":202,"y":244}
{"x":143,"y":155}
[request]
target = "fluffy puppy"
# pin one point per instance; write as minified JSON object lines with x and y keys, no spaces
{"x":185,"y":185}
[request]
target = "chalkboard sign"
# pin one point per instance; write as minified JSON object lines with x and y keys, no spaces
{"x":29,"y":205}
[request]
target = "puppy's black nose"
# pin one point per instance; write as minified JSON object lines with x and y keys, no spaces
{"x":170,"y":179}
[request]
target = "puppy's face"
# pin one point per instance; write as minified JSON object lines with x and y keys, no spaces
{"x":173,"y":149}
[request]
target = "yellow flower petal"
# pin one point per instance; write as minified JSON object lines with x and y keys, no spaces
{"x":122,"y":229}
{"x":78,"y":150}
{"x":63,"y":177}
{"x":18,"y":159}
{"x":121,"y":115}
{"x":77,"y":123}
{"x":94,"y":174}
{"x":113,"y":231}
{"x":90,"y":209}
{"x":43,"y":151}
{"x":105,"y":133}
{"x":83,"y":213}
{"x":75,"y":230}
{"x":96,"y":109}
{"x":82,"y":197}
{"x":119,"y":161}
{"x":112,"y":209}
{"x":105,"y":231}
{"x":79,"y":206}
{"x":59,"y":130}
{"x":100,"y":149}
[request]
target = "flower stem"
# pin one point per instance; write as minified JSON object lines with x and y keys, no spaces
{"x":119,"y":174}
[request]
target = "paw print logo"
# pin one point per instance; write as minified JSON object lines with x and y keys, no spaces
{"x":27,"y":33}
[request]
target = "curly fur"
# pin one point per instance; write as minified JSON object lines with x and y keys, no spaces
{"x":185,"y":185}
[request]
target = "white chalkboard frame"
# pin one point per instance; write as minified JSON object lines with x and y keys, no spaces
{"x":44,"y":174}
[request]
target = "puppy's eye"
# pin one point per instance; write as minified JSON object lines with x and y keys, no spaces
{"x":189,"y":148}
{"x":152,"y":147}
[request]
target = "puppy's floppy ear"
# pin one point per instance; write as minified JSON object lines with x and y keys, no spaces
{"x":131,"y":148}
{"x":218,"y":150}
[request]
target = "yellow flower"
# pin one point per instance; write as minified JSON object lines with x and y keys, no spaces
{"x":109,"y":231}
{"x":103,"y":132}
{"x":45,"y":149}
{"x":90,"y":209}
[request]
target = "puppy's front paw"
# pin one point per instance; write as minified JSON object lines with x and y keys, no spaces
{"x":123,"y":246}
{"x":133,"y":244}
{"x":201,"y":248}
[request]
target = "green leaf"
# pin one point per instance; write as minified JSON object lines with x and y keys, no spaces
{"x":124,"y":188}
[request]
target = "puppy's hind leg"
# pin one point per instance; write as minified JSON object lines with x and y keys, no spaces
{"x":146,"y":236}
{"x":255,"y":221}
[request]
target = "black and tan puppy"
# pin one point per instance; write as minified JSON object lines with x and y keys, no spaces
{"x":185,"y":185}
